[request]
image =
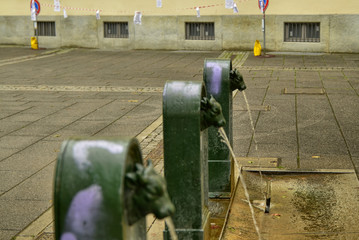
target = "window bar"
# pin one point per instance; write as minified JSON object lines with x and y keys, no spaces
{"x":303,"y":35}
{"x":296,"y":32}
{"x":198,"y":31}
{"x":206,"y":33}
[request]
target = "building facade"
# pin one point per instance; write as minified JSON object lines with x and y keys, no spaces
{"x":306,"y":25}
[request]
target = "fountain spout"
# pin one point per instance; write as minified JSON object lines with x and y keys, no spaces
{"x":211,"y":113}
{"x":237,"y":81}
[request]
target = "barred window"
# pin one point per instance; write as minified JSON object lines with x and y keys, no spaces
{"x":302,"y":32}
{"x":116,"y":29}
{"x":200,"y":30}
{"x":46,"y":29}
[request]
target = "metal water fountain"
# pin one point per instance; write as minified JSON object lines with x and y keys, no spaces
{"x":103,"y":191}
{"x":220,"y":81}
{"x":187,"y":114}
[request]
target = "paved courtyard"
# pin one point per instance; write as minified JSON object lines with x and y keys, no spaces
{"x":304,"y":106}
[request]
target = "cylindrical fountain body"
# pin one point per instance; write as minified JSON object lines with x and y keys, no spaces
{"x":185,"y":158}
{"x":216,"y":75}
{"x":102,"y":191}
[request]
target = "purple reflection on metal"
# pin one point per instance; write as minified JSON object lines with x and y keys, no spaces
{"x":215,"y":83}
{"x":84,"y":214}
{"x":68,"y":236}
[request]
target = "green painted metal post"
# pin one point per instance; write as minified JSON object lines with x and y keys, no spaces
{"x":101,"y":191}
{"x":185,"y":158}
{"x":216,"y":75}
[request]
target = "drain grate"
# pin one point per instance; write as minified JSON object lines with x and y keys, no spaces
{"x":309,"y":91}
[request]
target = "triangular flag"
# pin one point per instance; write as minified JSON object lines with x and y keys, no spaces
{"x":235,"y":9}
{"x":229,"y":4}
{"x":57,"y":5}
{"x":33,"y":11}
{"x":198,"y":14}
{"x":137,"y":19}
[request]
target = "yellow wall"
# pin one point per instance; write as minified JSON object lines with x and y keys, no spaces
{"x":182,"y":7}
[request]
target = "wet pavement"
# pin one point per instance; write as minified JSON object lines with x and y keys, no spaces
{"x":303,"y":206}
{"x":305,"y":111}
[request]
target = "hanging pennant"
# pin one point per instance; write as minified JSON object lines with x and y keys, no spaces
{"x":198,"y":14}
{"x":137,"y":18}
{"x":65,"y":14}
{"x":159,"y":3}
{"x":229,"y":4}
{"x":33,"y":11}
{"x":98,"y":14}
{"x":57,"y":5}
{"x":235,"y":9}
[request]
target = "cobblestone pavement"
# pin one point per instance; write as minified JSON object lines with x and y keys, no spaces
{"x":305,"y":111}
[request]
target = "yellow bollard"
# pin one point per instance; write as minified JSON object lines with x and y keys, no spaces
{"x":257,"y":48}
{"x":34,"y":44}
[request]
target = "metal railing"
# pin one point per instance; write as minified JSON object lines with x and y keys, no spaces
{"x":302,"y":32}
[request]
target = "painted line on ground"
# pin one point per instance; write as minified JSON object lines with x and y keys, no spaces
{"x":269,"y":68}
{"x":35,"y":57}
{"x":54,"y":88}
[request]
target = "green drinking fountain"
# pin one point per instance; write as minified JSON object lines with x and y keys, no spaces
{"x":187,"y":114}
{"x":102,"y":191}
{"x":220,"y":80}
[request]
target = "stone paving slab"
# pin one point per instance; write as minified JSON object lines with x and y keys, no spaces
{"x":73,"y":93}
{"x":82,"y":92}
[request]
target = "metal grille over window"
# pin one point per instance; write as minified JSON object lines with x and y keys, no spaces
{"x":302,"y":32}
{"x":46,"y":29}
{"x":116,"y":29}
{"x":200,"y":31}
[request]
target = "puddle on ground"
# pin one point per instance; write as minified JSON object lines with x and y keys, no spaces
{"x":303,"y":206}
